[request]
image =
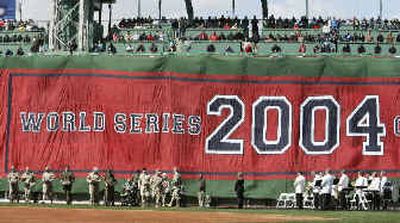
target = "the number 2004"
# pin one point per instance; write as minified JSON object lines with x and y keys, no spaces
{"x":363,"y":121}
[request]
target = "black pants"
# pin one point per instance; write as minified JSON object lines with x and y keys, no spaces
{"x":299,"y":201}
{"x":240,"y":199}
{"x":342,"y":200}
{"x":67,"y":192}
{"x":109,"y":196}
{"x":376,"y":202}
{"x":317,"y":200}
{"x":326,"y":201}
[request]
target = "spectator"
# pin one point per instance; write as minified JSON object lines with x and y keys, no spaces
{"x":72,"y":46}
{"x":392,"y":50}
{"x":214,"y":37}
{"x":229,"y":50}
{"x":150,"y":37}
{"x":361,"y":49}
{"x":140,"y":48}
{"x":380,"y":38}
{"x":9,"y":53}
{"x":377,"y":49}
{"x":276,"y":49}
{"x":111,"y":49}
{"x":390,"y":38}
{"x":368,"y":37}
{"x":129,"y":48}
{"x":203,"y":36}
{"x":20,"y":51}
{"x":302,"y":48}
{"x":211,"y":48}
{"x":153,"y":48}
{"x":347,"y":48}
{"x":247,"y":47}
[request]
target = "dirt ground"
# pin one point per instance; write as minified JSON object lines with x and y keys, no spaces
{"x":58,"y":215}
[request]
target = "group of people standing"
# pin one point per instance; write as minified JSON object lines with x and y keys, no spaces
{"x":28,"y":179}
{"x":328,"y":191}
{"x":144,"y":186}
{"x":144,"y":189}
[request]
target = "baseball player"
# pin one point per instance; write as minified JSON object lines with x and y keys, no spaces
{"x":176,"y":189}
{"x":144,"y":187}
{"x":13,"y":180}
{"x":157,"y":188}
{"x":67,"y":180}
{"x":29,"y":181}
{"x":201,"y":196}
{"x":165,"y":189}
{"x":94,"y":179}
{"x":48,"y":177}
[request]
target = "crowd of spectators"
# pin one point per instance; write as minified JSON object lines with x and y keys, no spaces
{"x":21,"y":26}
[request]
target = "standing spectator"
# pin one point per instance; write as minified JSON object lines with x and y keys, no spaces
{"x":239,"y":189}
{"x":299,"y":188}
{"x":254,"y":25}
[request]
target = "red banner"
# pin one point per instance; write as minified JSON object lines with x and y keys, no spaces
{"x":267,"y":127}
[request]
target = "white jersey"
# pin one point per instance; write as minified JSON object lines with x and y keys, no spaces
{"x":383,"y":182}
{"x":375,"y":184}
{"x":48,"y":177}
{"x":316,"y":189}
{"x":343,"y":182}
{"x":361,"y":182}
{"x":327,"y":182}
{"x":299,"y":184}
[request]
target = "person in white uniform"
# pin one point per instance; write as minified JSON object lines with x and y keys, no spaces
{"x":299,"y":188}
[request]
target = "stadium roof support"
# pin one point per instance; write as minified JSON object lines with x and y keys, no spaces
{"x":264,"y":5}
{"x":72,"y":21}
{"x":189,"y":9}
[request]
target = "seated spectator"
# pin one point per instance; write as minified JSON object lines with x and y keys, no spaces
{"x":347,"y":48}
{"x":129,"y":48}
{"x":326,"y":29}
{"x":172,"y":47}
{"x":377,"y":49}
{"x":222,"y":36}
{"x":211,"y":48}
{"x":229,"y":50}
{"x":276,"y":49}
{"x":390,"y":38}
{"x":302,"y":48}
{"x":227,"y":26}
{"x":380,"y":38}
{"x":392,"y":50}
{"x":150,"y":37}
{"x":214,"y":37}
{"x":111,"y":49}
{"x":247,"y":47}
{"x":153,"y":48}
{"x":9,"y":53}
{"x":316,"y":49}
{"x":361,"y":49}
{"x":369,"y":38}
{"x":140,"y":48}
{"x":20,"y":51}
{"x":203,"y":36}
